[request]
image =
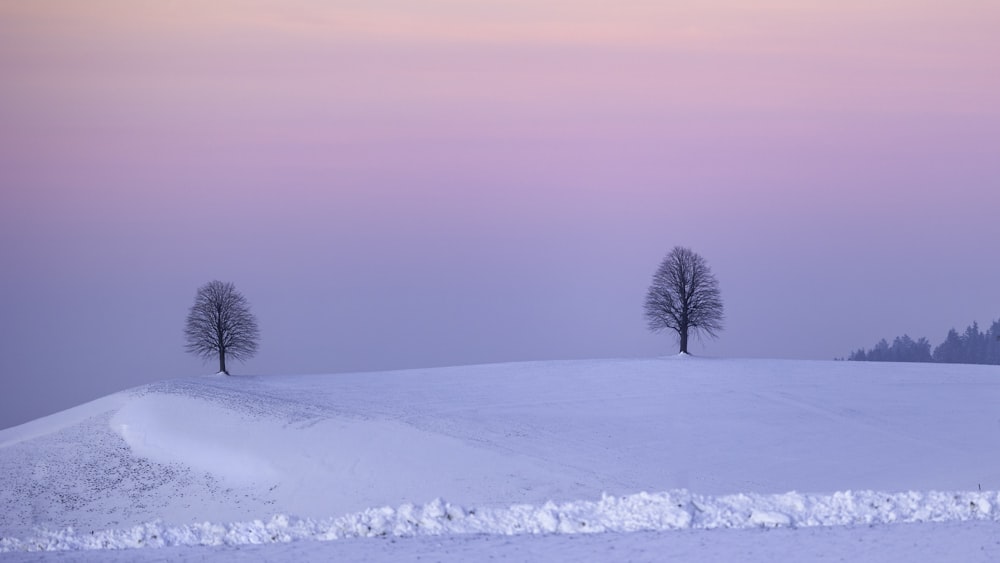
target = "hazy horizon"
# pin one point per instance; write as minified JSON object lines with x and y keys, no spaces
{"x":393,"y":186}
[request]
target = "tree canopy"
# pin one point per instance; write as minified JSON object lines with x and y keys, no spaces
{"x":221,"y":325}
{"x":684,"y":297}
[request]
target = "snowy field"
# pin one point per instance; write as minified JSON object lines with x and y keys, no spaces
{"x":644,"y":460}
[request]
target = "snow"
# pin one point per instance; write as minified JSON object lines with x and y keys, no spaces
{"x":55,"y":422}
{"x":623,"y":450}
{"x":668,"y":511}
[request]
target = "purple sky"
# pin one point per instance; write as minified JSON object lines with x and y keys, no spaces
{"x":463,"y":182}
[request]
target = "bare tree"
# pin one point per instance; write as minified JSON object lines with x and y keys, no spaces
{"x":220,"y":324}
{"x":684,"y":297}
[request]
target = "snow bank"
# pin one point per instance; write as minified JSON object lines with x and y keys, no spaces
{"x":314,"y":467}
{"x":206,"y":437}
{"x":673,"y":510}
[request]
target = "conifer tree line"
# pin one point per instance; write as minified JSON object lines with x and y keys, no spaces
{"x":970,"y":347}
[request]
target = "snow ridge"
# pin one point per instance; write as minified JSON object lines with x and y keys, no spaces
{"x":671,"y":510}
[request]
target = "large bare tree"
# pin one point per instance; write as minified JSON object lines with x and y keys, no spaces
{"x":684,"y":297}
{"x":220,"y":324}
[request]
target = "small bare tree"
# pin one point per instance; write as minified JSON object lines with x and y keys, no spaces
{"x":684,"y":297}
{"x":220,"y":324}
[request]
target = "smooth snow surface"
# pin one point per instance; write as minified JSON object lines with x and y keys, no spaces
{"x":518,"y":450}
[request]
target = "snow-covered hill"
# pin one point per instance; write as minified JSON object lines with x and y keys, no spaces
{"x":661,"y":446}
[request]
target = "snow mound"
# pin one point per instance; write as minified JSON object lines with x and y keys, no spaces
{"x":60,"y":420}
{"x":672,"y":510}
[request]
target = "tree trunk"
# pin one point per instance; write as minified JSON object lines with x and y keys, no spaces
{"x":222,"y":363}
{"x":684,"y":340}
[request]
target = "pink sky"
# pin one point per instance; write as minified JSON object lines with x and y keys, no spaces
{"x":396,"y":184}
{"x":350,"y":87}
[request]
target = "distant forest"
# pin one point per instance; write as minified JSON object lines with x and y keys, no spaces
{"x":970,"y":347}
